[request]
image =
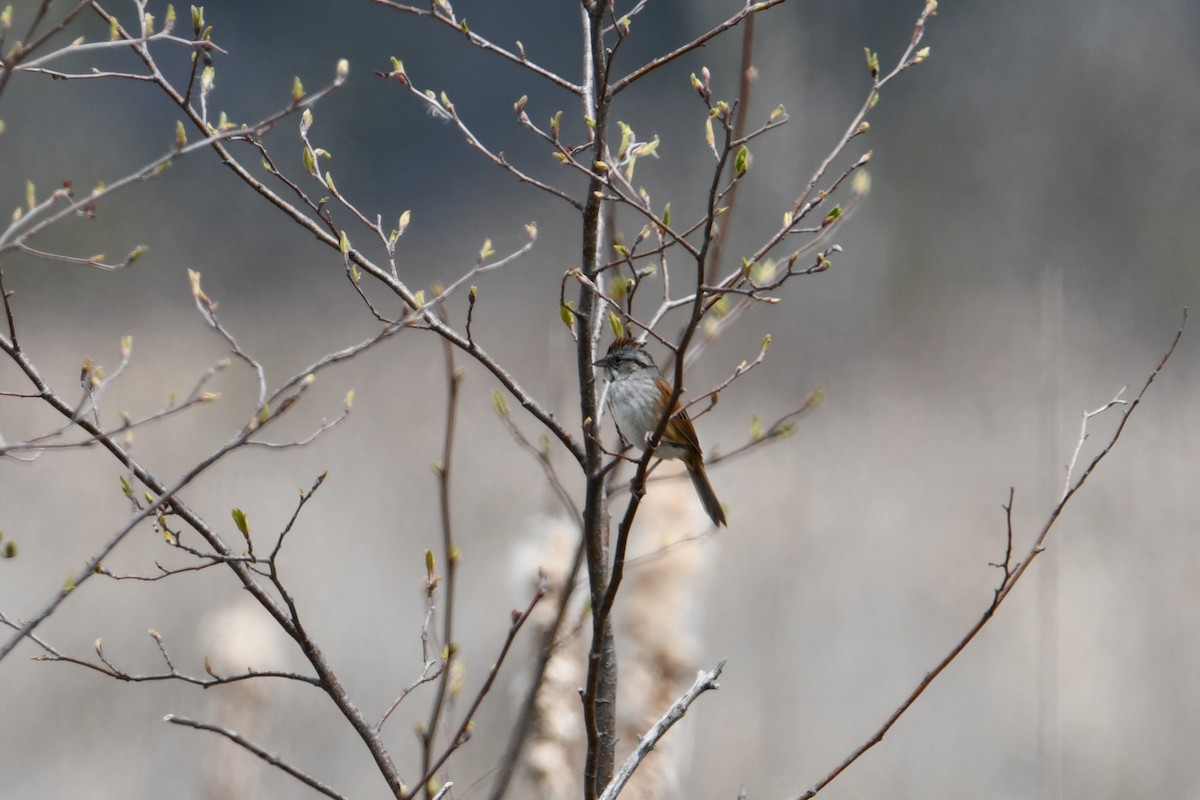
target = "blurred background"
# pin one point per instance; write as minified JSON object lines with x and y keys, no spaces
{"x":1027,"y":250}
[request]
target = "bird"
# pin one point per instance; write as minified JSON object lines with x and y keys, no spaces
{"x":637,"y":395}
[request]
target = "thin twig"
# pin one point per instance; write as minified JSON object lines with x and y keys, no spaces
{"x":482,"y":43}
{"x":454,"y":378}
{"x":270,"y":758}
{"x":53,"y":654}
{"x":748,"y":9}
{"x":1083,"y":435}
{"x":464,"y":730}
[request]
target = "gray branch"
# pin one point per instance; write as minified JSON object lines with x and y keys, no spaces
{"x":705,"y":681}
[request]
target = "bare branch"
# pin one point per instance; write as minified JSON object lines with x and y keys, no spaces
{"x":705,"y":681}
{"x":1083,"y":434}
{"x":482,"y":43}
{"x":464,"y":730}
{"x":270,"y":758}
{"x":748,"y":9}
{"x":445,"y":109}
{"x":213,"y":679}
{"x":454,"y":378}
{"x":1012,"y":574}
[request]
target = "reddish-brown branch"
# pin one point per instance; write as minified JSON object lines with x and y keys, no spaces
{"x":1012,"y":574}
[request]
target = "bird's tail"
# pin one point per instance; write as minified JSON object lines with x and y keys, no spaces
{"x":708,"y":498}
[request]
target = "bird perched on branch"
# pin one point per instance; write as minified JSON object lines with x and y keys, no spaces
{"x":637,"y":396}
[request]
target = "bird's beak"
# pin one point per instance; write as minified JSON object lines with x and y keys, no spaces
{"x":601,"y":363}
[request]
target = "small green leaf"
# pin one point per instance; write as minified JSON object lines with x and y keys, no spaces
{"x":487,"y":251}
{"x":666,"y":217}
{"x":647,"y":148}
{"x":126,"y":489}
{"x":626,"y":135}
{"x":344,"y":243}
{"x":429,"y":563}
{"x":872,"y":61}
{"x":756,"y":428}
{"x":297,"y":89}
{"x":614,"y":322}
{"x":499,"y":402}
{"x":741,"y":162}
{"x":764,"y":271}
{"x":239,"y":519}
{"x":861,"y":185}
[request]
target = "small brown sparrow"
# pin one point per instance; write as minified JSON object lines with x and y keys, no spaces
{"x":637,"y":395}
